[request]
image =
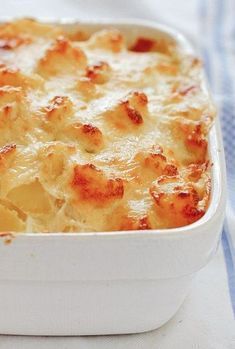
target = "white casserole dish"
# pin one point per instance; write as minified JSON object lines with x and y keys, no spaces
{"x":108,"y":283}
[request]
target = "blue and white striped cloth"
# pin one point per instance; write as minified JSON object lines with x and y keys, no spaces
{"x":207,"y":318}
{"x":218,"y":47}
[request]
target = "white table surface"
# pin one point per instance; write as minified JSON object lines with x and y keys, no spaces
{"x":205,"y":321}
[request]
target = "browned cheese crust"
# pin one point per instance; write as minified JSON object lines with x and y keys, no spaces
{"x":98,"y":133}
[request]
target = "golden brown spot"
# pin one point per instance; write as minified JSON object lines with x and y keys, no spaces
{"x":192,"y":137}
{"x":129,"y":111}
{"x":193,"y":213}
{"x":156,"y":162}
{"x":7,"y":110}
{"x":98,"y":73}
{"x":194,"y":172}
{"x":89,"y":135}
{"x":176,"y":202}
{"x":143,"y":44}
{"x":59,"y":108}
{"x":92,"y":136}
{"x":144,"y":223}
{"x":7,"y":236}
{"x":138,"y":99}
{"x":92,"y":132}
{"x":91,"y":185}
{"x":170,"y":170}
{"x":133,"y":114}
{"x":62,"y":58}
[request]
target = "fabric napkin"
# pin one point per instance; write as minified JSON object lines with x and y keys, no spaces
{"x":206,"y":319}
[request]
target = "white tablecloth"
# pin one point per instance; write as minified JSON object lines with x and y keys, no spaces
{"x":206,"y":319}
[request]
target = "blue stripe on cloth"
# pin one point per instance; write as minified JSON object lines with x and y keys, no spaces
{"x":230,"y":243}
{"x":228,"y":123}
{"x":230,"y":268}
{"x":228,"y":103}
{"x":227,"y":114}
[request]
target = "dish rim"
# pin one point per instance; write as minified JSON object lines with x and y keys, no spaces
{"x":215,"y":153}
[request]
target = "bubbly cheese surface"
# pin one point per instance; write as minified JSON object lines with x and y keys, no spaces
{"x":98,"y":134}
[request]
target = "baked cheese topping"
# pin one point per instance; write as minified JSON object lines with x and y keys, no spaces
{"x":98,"y":133}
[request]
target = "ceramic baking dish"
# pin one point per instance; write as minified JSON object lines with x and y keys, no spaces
{"x":107,"y":283}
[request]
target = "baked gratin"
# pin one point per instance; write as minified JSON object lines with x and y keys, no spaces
{"x":98,"y":133}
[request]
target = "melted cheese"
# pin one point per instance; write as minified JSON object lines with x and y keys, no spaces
{"x":98,"y":136}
